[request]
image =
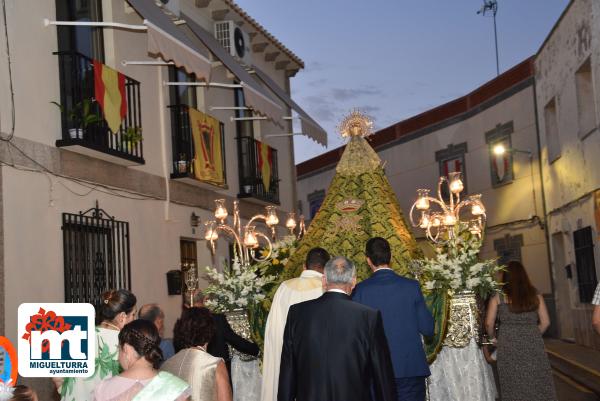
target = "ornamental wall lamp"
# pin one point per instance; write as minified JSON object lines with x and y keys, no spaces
{"x":246,"y":238}
{"x":500,"y":150}
{"x":440,"y":218}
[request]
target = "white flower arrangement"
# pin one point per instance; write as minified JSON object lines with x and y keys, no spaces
{"x":236,"y":288}
{"x":456,"y":267}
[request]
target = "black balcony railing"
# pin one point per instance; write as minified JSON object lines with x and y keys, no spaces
{"x":182,"y":145}
{"x":251,"y":180}
{"x":77,"y":97}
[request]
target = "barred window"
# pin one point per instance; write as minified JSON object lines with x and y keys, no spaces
{"x":96,"y":255}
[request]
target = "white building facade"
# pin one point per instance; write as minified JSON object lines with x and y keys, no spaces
{"x":84,"y":209}
{"x":567,"y":85}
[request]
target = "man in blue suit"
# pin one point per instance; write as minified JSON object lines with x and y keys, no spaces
{"x":405,"y":318}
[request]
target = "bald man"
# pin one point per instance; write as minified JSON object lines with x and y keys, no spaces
{"x":153,"y":313}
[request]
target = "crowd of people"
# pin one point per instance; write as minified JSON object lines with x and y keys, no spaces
{"x":136,"y":362}
{"x":326,"y":338}
{"x":364,"y":342}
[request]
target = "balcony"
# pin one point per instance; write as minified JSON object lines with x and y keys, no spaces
{"x":83,"y":127}
{"x":184,"y":152}
{"x":251,"y":175}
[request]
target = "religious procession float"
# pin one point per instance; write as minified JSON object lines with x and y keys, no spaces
{"x":360,"y":204}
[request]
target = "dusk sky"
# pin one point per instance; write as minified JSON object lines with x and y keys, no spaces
{"x":396,"y":58}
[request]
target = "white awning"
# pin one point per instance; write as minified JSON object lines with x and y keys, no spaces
{"x":169,"y":42}
{"x":310,"y":127}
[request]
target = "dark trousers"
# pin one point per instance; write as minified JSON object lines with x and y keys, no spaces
{"x":411,"y":388}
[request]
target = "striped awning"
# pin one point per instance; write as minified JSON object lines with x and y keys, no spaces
{"x":170,"y":43}
{"x":310,"y":127}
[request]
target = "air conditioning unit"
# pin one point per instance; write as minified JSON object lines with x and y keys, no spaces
{"x":234,"y":40}
{"x":171,"y":7}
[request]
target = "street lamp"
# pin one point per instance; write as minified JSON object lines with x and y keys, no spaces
{"x":499,"y":150}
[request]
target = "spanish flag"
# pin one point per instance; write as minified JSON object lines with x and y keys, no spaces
{"x":109,"y":90}
{"x":265,"y":163}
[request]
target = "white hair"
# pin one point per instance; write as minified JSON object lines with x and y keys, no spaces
{"x":340,"y":270}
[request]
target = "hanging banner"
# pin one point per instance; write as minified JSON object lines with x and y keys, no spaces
{"x":208,"y":147}
{"x":109,"y":91}
{"x":265,"y":163}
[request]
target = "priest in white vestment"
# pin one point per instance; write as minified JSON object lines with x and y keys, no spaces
{"x":304,"y":288}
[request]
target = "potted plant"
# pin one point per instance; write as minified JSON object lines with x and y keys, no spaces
{"x":130,"y":137}
{"x":81,"y":115}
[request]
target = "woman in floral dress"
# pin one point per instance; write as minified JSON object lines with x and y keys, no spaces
{"x":116,"y":310}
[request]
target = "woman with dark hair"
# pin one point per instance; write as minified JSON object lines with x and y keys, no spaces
{"x":140,"y":356}
{"x":206,"y":374}
{"x":523,"y":366}
{"x":116,"y":309}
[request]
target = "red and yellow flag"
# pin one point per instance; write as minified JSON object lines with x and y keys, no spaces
{"x":208,"y":149}
{"x":109,"y":90}
{"x":265,"y":163}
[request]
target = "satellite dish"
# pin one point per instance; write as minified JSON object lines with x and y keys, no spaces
{"x":239,"y":42}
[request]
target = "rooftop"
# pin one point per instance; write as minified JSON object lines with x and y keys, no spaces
{"x":220,"y":11}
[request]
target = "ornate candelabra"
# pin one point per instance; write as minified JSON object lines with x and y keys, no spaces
{"x":191,"y":282}
{"x":246,"y":238}
{"x":440,"y":217}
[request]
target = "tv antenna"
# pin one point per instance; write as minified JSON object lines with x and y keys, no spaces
{"x":491,"y":6}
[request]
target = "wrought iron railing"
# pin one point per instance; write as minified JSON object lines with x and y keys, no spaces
{"x":96,"y":255}
{"x":251,"y":175}
{"x":77,"y":90}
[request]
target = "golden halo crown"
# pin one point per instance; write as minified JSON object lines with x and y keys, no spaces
{"x":356,"y":124}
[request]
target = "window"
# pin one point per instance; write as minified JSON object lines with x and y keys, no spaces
{"x":452,"y":159}
{"x":501,"y":165}
{"x":85,"y":127}
{"x":189,"y":256}
{"x":244,"y":128}
{"x":586,"y":266}
{"x":586,"y":105}
{"x":182,"y":95}
{"x":315,"y":200}
{"x":552,"y":139}
{"x":508,"y":248}
{"x":96,"y":255}
{"x":197,"y":139}
{"x":88,"y":41}
{"x":257,"y":162}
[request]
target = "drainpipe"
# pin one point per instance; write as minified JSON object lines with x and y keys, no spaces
{"x":163,"y":144}
{"x":544,"y":209}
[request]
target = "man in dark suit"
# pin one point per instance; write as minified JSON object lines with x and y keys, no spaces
{"x":224,"y":335}
{"x":405,"y":318}
{"x":335,"y":349}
